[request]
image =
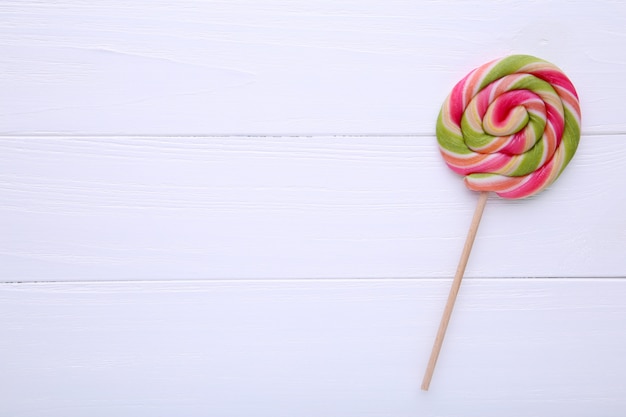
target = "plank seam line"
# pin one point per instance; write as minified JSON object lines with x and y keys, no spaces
{"x":306,"y":280}
{"x":253,"y":135}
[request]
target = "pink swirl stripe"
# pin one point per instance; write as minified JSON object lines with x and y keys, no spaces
{"x":510,"y":126}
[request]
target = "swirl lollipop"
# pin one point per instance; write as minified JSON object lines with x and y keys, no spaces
{"x":510,"y":126}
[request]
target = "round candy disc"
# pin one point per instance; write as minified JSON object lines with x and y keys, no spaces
{"x":510,"y":126}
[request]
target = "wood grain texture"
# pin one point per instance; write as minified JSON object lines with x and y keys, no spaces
{"x":322,"y":207}
{"x":286,"y":67}
{"x":311,"y":348}
{"x":237,"y":208}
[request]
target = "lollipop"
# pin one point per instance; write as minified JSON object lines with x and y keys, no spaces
{"x":510,"y":126}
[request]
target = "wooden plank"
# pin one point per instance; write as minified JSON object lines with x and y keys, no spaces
{"x":283,"y":207}
{"x":311,"y":348}
{"x":285,"y":67}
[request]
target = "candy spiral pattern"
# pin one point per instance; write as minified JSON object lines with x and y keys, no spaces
{"x":510,"y":126}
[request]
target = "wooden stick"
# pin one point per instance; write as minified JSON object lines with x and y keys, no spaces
{"x":454,"y":290}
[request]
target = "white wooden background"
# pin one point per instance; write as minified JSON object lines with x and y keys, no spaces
{"x":237,"y":208}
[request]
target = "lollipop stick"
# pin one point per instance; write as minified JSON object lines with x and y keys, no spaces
{"x":454,"y":290}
